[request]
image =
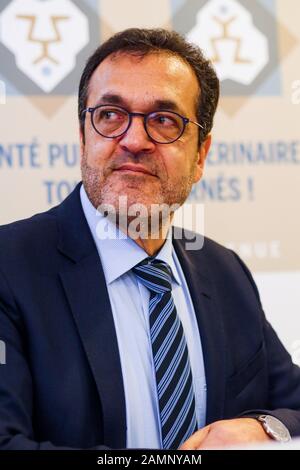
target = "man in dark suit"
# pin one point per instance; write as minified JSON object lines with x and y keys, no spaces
{"x":116,"y":338}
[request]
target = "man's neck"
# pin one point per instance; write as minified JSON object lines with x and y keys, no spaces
{"x":150,"y":246}
{"x":152,"y":242}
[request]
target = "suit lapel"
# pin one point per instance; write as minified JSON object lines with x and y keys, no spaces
{"x":210,"y":323}
{"x":85,"y":287}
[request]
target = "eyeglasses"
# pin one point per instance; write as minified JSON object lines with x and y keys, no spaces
{"x":162,"y":127}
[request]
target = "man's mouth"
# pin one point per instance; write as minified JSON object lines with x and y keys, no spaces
{"x":132,"y":168}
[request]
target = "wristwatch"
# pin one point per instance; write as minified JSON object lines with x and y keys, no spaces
{"x":274,"y":428}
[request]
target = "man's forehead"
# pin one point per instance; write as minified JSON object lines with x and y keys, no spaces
{"x":166,"y":59}
{"x":159,"y":76}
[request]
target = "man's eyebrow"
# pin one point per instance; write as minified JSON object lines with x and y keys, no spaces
{"x":111,"y":98}
{"x":166,"y":104}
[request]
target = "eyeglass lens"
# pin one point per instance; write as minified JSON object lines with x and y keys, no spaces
{"x":162,"y":126}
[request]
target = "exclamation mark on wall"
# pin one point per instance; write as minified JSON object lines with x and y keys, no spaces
{"x":250,"y":184}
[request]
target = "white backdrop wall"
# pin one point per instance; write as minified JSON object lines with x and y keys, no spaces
{"x":251,"y":187}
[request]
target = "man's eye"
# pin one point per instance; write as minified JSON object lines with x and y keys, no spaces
{"x":164,"y":120}
{"x":110,"y":115}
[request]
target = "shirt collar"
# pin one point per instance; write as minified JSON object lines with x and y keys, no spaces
{"x":118,"y":252}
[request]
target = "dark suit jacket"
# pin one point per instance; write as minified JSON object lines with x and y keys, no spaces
{"x":61,"y":386}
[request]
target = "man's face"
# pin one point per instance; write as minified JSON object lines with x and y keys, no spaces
{"x":132,"y":165}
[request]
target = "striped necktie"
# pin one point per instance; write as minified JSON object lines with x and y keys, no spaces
{"x":170,"y":356}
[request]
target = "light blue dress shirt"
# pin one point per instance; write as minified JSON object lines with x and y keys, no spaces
{"x":129,"y":302}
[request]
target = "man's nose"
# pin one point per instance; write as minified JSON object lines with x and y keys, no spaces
{"x":136,"y":138}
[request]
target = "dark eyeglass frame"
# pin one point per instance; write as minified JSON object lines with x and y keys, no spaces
{"x":145,"y":117}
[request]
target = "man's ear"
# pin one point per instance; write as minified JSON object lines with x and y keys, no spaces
{"x":81,"y":139}
{"x":201,"y":155}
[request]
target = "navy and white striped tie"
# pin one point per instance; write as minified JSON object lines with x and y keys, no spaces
{"x":170,"y":355}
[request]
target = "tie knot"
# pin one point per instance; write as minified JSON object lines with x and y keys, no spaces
{"x":155,"y":275}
